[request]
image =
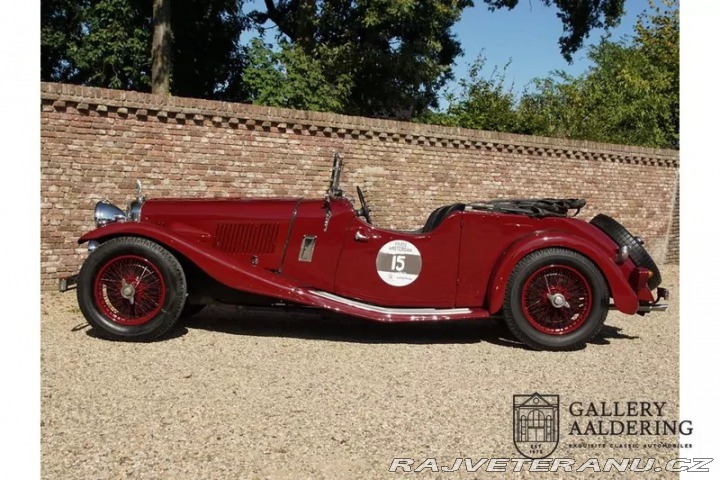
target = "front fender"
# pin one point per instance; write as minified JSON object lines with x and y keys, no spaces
{"x":625,"y":298}
{"x":226,"y":270}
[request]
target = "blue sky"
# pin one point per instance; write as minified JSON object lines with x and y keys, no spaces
{"x":528,"y":35}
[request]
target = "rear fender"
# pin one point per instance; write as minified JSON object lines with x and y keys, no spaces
{"x":226,"y":270}
{"x":625,"y":298}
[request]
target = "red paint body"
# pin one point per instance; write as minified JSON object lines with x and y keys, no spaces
{"x":253,"y":246}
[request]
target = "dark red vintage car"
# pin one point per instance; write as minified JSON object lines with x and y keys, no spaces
{"x":551,"y":278}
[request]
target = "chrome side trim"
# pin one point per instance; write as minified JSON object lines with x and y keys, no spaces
{"x":390,"y":311}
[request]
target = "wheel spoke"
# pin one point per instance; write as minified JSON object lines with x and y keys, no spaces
{"x":147,"y":287}
{"x":556,"y":299}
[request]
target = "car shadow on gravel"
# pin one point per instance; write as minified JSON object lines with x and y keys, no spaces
{"x":609,"y":333}
{"x":176,"y":332}
{"x":319,"y":325}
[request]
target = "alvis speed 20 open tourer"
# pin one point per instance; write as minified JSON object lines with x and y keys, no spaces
{"x":552,"y":278}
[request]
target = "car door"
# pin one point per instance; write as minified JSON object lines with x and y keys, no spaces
{"x":400,"y":269}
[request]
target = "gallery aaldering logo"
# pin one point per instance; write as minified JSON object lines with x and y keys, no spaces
{"x":536,"y":424}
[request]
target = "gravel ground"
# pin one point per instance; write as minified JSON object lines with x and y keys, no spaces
{"x":258,"y":394}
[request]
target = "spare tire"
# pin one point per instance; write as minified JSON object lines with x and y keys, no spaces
{"x":636,"y":251}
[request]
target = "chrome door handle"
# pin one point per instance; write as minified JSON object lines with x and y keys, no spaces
{"x":360,"y":237}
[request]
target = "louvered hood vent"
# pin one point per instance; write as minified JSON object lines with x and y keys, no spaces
{"x":247,"y":237}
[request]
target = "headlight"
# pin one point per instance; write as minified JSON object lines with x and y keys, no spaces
{"x":106,"y":212}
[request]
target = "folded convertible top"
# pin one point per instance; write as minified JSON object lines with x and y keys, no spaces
{"x":532,"y":207}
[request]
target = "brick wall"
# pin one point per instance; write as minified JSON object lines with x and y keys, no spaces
{"x":673,"y":245}
{"x":96,"y":142}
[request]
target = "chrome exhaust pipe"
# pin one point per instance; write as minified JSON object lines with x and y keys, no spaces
{"x":658,"y":307}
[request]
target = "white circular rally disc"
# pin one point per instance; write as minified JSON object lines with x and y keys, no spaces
{"x":398,"y":263}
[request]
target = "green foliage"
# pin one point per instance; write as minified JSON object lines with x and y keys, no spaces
{"x":61,"y":25}
{"x":483,"y":103}
{"x":207,"y":60}
{"x":380,"y":58}
{"x":107,"y":43}
{"x":290,"y":78}
{"x":630,"y":94}
{"x":658,"y":38}
{"x":398,"y":53}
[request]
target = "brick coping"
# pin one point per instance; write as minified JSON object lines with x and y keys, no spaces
{"x":143,"y":106}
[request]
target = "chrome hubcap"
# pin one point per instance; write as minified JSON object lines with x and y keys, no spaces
{"x":128,"y":291}
{"x":557,"y":300}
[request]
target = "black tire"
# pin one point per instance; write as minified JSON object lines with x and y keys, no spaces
{"x":590,"y":279}
{"x":191,"y":309}
{"x":165,"y":270}
{"x":636,"y":251}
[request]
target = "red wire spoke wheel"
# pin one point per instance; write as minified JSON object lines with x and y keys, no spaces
{"x":556,"y":299}
{"x":129,"y":290}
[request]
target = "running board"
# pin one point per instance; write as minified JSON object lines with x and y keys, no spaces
{"x":389,"y":314}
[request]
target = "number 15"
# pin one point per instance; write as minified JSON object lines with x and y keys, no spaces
{"x":398,"y":263}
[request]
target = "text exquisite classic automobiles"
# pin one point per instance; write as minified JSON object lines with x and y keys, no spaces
{"x":552,"y":278}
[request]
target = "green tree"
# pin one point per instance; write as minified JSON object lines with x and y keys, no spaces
{"x":161,"y":49}
{"x":108,"y":43}
{"x":399,"y":53}
{"x":290,"y":78}
{"x":60,"y":25}
{"x":483,"y":103}
{"x":630,"y":95}
{"x":207,"y":59}
{"x":657,"y":35}
{"x":384,"y":58}
{"x":95,"y":43}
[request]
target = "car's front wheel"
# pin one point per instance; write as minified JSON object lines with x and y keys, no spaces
{"x":131,"y":289}
{"x":556,"y":299}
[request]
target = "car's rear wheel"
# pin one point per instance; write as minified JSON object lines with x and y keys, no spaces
{"x":556,"y":299}
{"x":131,"y":289}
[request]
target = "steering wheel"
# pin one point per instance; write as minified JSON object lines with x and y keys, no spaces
{"x":364,"y":211}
